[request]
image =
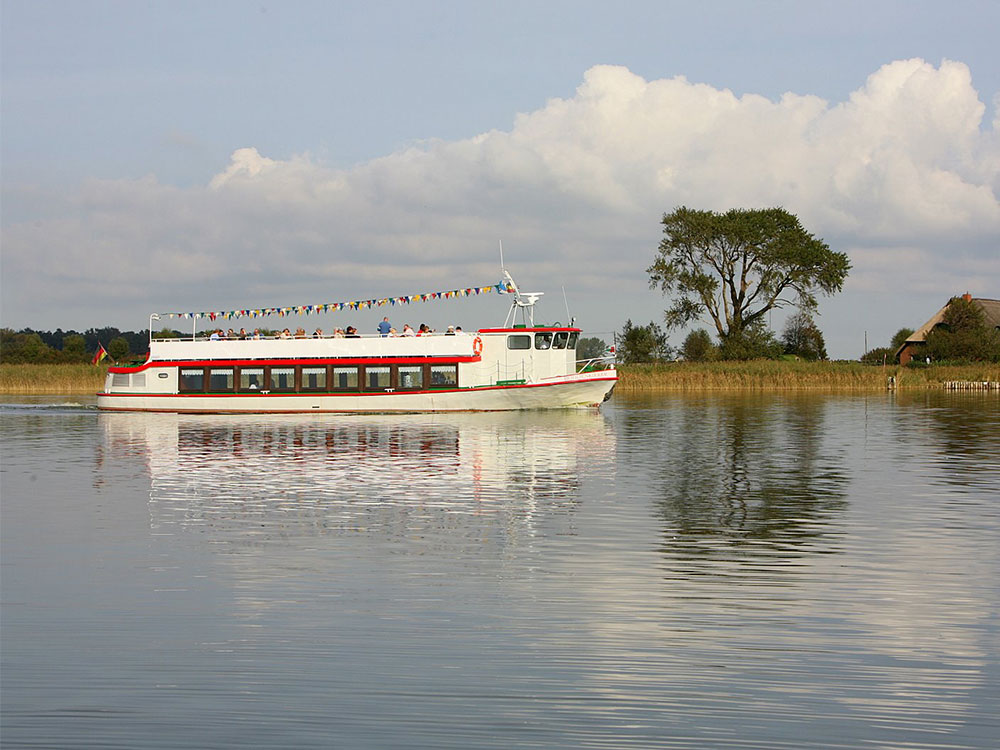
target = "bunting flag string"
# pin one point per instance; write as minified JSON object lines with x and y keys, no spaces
{"x":364,"y":304}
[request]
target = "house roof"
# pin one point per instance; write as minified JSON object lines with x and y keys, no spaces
{"x":991,"y":312}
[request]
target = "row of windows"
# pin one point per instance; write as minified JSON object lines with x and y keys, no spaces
{"x":544,"y":340}
{"x":310,"y":379}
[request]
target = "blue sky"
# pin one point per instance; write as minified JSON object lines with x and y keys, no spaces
{"x":215,"y":155}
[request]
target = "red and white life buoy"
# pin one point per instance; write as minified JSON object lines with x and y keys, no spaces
{"x":477,"y":346}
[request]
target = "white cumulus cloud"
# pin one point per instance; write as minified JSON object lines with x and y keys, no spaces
{"x":904,"y":172}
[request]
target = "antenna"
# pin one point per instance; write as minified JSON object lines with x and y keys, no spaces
{"x":569,"y":320}
{"x":523,"y":300}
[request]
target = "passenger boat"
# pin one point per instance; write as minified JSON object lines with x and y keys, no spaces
{"x":516,"y":366}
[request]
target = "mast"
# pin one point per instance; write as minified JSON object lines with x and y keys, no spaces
{"x":523,"y":301}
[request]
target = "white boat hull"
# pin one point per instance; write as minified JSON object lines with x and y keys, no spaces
{"x":580,"y":390}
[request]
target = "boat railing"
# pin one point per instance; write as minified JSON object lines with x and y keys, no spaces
{"x":604,"y":362}
{"x":207,"y":337}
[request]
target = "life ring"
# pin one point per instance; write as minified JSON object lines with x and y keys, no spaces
{"x":477,"y":346}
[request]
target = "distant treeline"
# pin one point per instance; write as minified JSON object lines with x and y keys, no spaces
{"x":59,"y":346}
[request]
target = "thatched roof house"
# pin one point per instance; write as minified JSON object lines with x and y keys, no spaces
{"x":911,"y":347}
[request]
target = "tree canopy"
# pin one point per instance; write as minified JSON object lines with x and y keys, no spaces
{"x":803,"y":338}
{"x":590,"y":348}
{"x":642,"y":344}
{"x":698,"y":346}
{"x":735,"y":266}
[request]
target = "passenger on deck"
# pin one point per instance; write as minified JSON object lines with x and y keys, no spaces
{"x":393,"y":332}
{"x":318,"y":333}
{"x":286,"y":334}
{"x":384,"y":327}
{"x":243,"y":334}
{"x":256,"y":333}
{"x":424,"y":330}
{"x":450,"y":331}
{"x":352,"y":333}
{"x":215,"y":335}
{"x":300,"y":332}
{"x":338,"y":333}
{"x":407,"y":331}
{"x":231,"y":334}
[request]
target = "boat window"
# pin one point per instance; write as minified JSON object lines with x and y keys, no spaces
{"x":411,"y":376}
{"x":251,"y":378}
{"x":377,"y":377}
{"x":345,"y":377}
{"x":543,"y":340}
{"x":519,"y":342}
{"x":120,"y":380}
{"x":444,"y":376}
{"x":572,"y":340}
{"x":559,"y":341}
{"x":313,"y":378}
{"x":282,"y":379}
{"x":192,"y":380}
{"x":139,"y":380}
{"x":221,"y":379}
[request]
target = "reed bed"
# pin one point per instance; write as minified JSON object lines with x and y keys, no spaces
{"x":62,"y":378}
{"x":770,"y":375}
{"x":764,"y":375}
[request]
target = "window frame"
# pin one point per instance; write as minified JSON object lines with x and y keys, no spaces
{"x":261,"y":385}
{"x":181,"y":382}
{"x":518,"y":336}
{"x":430,"y":379}
{"x":295,"y":379}
{"x":301,"y":378}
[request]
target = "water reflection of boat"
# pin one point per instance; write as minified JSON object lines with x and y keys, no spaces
{"x":349,"y":471}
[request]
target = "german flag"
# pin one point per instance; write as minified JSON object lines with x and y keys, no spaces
{"x":99,"y":354}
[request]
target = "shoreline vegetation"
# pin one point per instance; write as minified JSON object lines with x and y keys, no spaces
{"x":754,"y":375}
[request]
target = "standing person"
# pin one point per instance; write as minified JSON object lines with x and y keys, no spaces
{"x":384,"y":327}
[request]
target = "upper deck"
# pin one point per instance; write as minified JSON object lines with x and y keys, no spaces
{"x":362,"y":347}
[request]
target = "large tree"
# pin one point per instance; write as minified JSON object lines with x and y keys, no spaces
{"x":735,"y":266}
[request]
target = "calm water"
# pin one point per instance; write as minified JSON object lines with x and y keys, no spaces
{"x":723,"y":571}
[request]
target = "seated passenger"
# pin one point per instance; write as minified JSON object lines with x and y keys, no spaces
{"x":243,"y":334}
{"x":407,"y":331}
{"x":352,"y":333}
{"x":450,"y":331}
{"x":300,"y":332}
{"x":286,"y":334}
{"x":215,"y":335}
{"x":338,"y":333}
{"x":318,"y":333}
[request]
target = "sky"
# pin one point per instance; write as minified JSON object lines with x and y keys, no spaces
{"x":216,"y":155}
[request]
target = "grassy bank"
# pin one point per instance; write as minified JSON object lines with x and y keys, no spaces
{"x":28,"y":379}
{"x":791,"y":375}
{"x":758,"y":375}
